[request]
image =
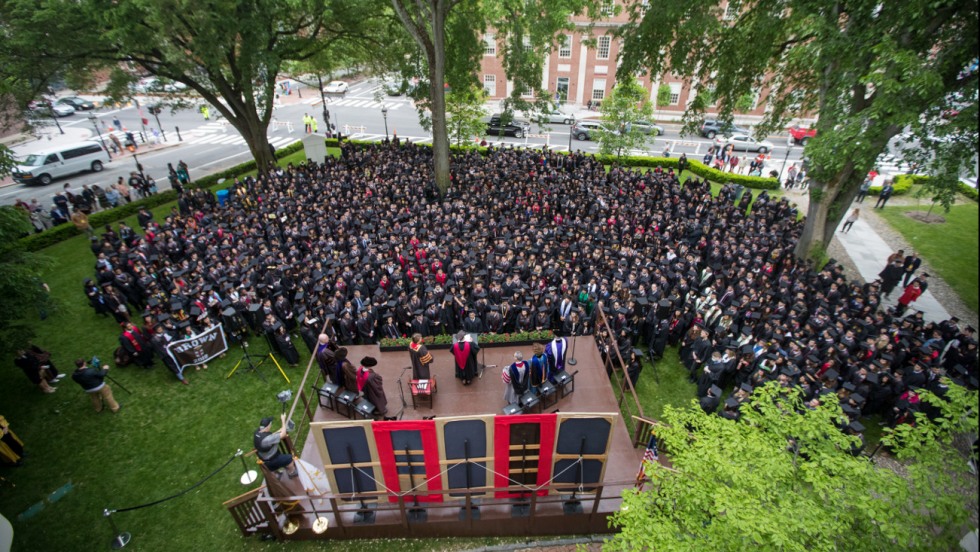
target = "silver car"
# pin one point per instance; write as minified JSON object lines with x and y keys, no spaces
{"x":554,"y":116}
{"x":744,"y":142}
{"x":646,"y":127}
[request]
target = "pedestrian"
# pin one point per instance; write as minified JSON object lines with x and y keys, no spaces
{"x":850,"y":220}
{"x":912,"y":292}
{"x":886,"y":193}
{"x":890,"y":276}
{"x":92,"y":381}
{"x":910,"y":264}
{"x":174,"y":180}
{"x":206,"y":111}
{"x":80,"y":220}
{"x":117,"y":146}
{"x":863,"y":190}
{"x":183,"y":175}
{"x":116,"y":123}
{"x":313,"y":123}
{"x":307,"y":123}
{"x":681,"y":164}
{"x":11,"y":447}
{"x":37,"y":366}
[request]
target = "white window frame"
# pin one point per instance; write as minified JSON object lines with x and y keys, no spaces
{"x":608,"y":8}
{"x":603,"y":47}
{"x":527,"y":91}
{"x":598,"y":89}
{"x":490,"y":85}
{"x":565,"y":47}
{"x":731,"y":11}
{"x":527,"y":44}
{"x":675,"y":93}
{"x":489,"y":45}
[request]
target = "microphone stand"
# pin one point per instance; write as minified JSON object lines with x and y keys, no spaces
{"x":401,"y":392}
{"x":572,"y":361}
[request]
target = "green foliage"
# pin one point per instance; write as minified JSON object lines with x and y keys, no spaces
{"x":625,"y":105}
{"x":22,"y":296}
{"x":465,"y":114}
{"x":782,"y":478}
{"x":866,"y":70}
{"x":663,"y":95}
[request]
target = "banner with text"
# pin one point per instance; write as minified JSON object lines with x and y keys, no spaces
{"x":200,"y":348}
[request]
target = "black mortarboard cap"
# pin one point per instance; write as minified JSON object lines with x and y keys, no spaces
{"x":856,"y":426}
{"x":715,"y":390}
{"x":831,"y":375}
{"x":731,"y":402}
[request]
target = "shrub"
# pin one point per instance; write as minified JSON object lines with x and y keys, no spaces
{"x":903,"y":184}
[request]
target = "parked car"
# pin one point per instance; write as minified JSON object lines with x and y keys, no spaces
{"x":744,"y":142}
{"x":336,"y":87}
{"x":712,"y":128}
{"x":155,"y":85}
{"x":79,"y":104}
{"x":48,"y":109}
{"x":585,"y":130}
{"x":44,"y":166}
{"x":801,"y":135}
{"x":516,"y":127}
{"x":554,"y":115}
{"x":646,"y":127}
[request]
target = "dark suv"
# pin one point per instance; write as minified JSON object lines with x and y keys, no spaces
{"x":712,"y":128}
{"x":515,"y":128}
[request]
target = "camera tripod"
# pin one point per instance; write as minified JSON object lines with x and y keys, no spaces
{"x":252,"y":366}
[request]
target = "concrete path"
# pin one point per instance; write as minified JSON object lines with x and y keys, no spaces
{"x":869,"y":253}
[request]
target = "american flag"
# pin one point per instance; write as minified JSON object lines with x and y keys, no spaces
{"x":650,"y":455}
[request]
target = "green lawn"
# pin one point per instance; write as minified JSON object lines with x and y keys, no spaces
{"x":950,"y":248}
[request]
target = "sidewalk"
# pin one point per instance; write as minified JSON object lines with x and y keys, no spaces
{"x":870,"y":253}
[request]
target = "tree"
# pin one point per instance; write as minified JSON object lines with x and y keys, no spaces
{"x":663,"y":95}
{"x":867,"y":70}
{"x":625,"y":105}
{"x":228,"y":52}
{"x":21,"y":291}
{"x":465,"y":114}
{"x":783,"y":478}
{"x":448,"y":35}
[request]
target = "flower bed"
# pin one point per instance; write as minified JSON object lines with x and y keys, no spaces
{"x":485,"y":340}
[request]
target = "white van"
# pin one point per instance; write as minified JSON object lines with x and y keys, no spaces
{"x":44,"y":166}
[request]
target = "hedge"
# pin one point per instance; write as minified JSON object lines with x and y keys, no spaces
{"x":696,"y":167}
{"x":903,"y":184}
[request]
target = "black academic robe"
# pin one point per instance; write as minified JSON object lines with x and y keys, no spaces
{"x":285,"y":345}
{"x":374,"y":392}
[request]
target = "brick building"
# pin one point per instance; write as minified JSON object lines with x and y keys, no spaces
{"x":580,"y":69}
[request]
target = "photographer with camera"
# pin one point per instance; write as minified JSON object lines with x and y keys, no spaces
{"x":92,"y":380}
{"x":267,"y":446}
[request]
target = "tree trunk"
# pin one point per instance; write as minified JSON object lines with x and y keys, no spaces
{"x":437,"y":90}
{"x":829,"y":204}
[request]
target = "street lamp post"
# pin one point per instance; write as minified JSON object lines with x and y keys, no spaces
{"x":139,"y":166}
{"x":384,"y":113}
{"x":326,"y":112}
{"x":789,"y":148}
{"x":95,"y":125}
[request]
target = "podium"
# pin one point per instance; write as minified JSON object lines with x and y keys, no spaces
{"x":422,"y":391}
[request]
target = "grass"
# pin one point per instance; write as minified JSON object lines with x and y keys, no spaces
{"x":950,"y":247}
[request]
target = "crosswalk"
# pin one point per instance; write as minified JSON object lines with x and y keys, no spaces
{"x":366,"y":103}
{"x":221,"y":133}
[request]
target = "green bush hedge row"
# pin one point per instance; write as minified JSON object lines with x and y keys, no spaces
{"x":36,"y":242}
{"x":903,"y":184}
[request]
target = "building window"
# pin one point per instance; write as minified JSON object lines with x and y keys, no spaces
{"x":565,"y":47}
{"x":602,"y":48}
{"x":490,"y":85}
{"x":675,"y":93}
{"x":598,"y":89}
{"x":527,"y":44}
{"x":489,"y":45}
{"x":527,"y":92}
{"x":608,"y":7}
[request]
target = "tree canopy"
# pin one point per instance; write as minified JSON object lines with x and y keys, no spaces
{"x":867,"y":70}
{"x":228,"y":52}
{"x":784,"y":478}
{"x":22,"y":294}
{"x":625,"y":105}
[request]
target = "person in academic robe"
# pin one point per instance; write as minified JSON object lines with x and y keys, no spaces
{"x":464,"y":352}
{"x":421,"y":359}
{"x":371,"y":385}
{"x":37,"y":366}
{"x":473,"y":324}
{"x":326,"y":359}
{"x":516,"y":378}
{"x":390,"y":330}
{"x":540,"y":368}
{"x":710,"y":402}
{"x":285,"y":345}
{"x":346,"y":371}
{"x":159,"y":341}
{"x":555,"y":352}
{"x":711,"y":373}
{"x":365,"y":327}
{"x":136,"y":344}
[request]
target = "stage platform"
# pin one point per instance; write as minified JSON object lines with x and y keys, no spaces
{"x":551,"y":512}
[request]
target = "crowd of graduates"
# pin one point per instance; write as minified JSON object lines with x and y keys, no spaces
{"x":526,"y":240}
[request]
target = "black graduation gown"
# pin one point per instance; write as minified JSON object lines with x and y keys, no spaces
{"x":374,"y":391}
{"x":285,"y":345}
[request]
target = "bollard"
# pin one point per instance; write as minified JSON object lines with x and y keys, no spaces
{"x":179,"y":139}
{"x":142,"y":138}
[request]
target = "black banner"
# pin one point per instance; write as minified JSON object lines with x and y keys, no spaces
{"x":200,"y":348}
